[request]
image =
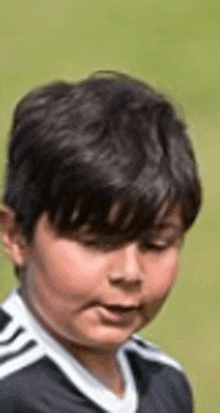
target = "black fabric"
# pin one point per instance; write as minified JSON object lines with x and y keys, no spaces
{"x":42,"y":388}
{"x":4,"y":319}
{"x":162,"y":388}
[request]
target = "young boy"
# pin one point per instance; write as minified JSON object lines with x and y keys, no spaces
{"x":101,"y":186}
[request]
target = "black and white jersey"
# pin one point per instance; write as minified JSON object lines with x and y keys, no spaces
{"x":38,"y":375}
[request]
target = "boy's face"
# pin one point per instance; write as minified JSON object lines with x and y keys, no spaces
{"x":97,"y":299}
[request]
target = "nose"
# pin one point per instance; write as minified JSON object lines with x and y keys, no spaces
{"x":127,"y":265}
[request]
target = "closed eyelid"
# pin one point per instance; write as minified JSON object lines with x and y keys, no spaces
{"x":162,"y":242}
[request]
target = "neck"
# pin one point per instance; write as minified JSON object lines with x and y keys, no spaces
{"x":103,"y":365}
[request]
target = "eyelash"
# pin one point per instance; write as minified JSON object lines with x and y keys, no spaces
{"x":161,"y":248}
{"x":156,"y":247}
{"x":153,"y":247}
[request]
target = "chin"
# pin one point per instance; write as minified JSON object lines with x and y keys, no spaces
{"x":112,"y":341}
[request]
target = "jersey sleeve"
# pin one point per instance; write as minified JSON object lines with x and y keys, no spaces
{"x":166,"y":390}
{"x":162,"y":384}
{"x":180,"y":390}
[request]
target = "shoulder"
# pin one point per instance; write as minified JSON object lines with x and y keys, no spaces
{"x":150,"y":352}
{"x":21,"y":360}
{"x":18,"y":347}
{"x":163,"y":375}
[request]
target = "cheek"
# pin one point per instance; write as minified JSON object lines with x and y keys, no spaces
{"x":162,"y":277}
{"x":67,"y":268}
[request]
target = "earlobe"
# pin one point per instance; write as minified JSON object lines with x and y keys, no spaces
{"x":13,"y":243}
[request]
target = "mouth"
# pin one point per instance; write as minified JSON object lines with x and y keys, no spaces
{"x":121,"y":308}
{"x":119,"y":314}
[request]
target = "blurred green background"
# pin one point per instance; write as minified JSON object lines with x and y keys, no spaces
{"x":176,"y":47}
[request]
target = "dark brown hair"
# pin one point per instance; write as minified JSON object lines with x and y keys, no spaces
{"x":77,"y":149}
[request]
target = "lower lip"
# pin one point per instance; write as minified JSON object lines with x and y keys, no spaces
{"x":117,"y":317}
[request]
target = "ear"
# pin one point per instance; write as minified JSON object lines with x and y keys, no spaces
{"x":13,"y":243}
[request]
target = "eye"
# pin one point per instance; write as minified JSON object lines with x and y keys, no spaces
{"x":152,"y":247}
{"x":160,"y":245}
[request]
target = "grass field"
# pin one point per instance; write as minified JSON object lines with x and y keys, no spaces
{"x":175,"y":45}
